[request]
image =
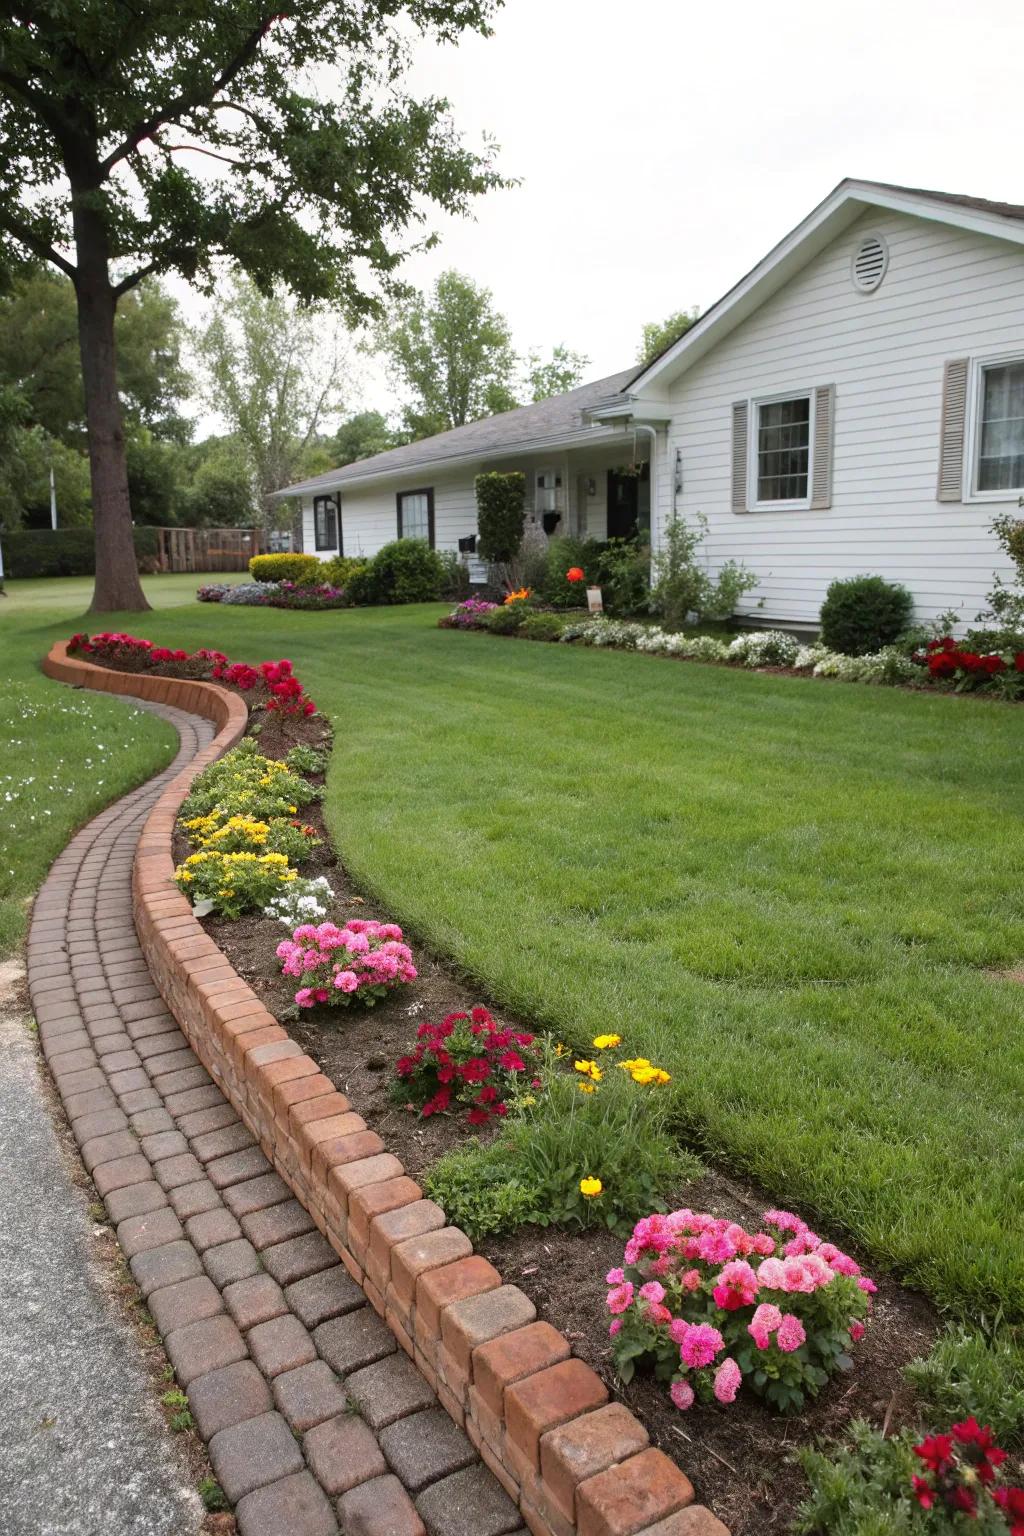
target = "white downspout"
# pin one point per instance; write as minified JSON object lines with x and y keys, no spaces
{"x":643,"y":427}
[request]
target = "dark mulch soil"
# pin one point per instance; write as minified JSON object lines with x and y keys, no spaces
{"x":737,"y":1457}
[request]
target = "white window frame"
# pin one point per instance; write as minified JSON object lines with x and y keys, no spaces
{"x":557,"y":491}
{"x":793,"y":504}
{"x":972,"y":434}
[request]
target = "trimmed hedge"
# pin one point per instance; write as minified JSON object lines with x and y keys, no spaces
{"x":404,"y":571}
{"x":861,"y":615}
{"x":304,"y":570}
{"x":63,"y":552}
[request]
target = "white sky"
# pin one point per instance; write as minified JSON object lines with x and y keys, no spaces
{"x":662,"y":148}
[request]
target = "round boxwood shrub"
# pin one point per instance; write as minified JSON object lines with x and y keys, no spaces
{"x":340,"y":571}
{"x":863,"y":614}
{"x":542,"y":626}
{"x":507,"y":619}
{"x":405,"y":571}
{"x":304,"y":570}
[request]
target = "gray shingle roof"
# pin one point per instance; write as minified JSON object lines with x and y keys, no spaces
{"x":958,"y":199}
{"x":554,"y":418}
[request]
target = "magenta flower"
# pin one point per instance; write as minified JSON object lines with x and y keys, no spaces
{"x":791,"y":1334}
{"x":681,"y":1394}
{"x":701,"y":1343}
{"x":727,"y":1381}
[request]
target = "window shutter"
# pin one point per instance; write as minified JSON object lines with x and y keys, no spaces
{"x":951,"y":443}
{"x":824,"y":419}
{"x":739,"y":456}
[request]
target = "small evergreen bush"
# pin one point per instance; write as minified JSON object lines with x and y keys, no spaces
{"x":542,"y":626}
{"x":304,"y":570}
{"x":501,"y":514}
{"x":404,"y":571}
{"x":864,"y":613}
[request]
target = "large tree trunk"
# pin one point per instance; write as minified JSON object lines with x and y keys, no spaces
{"x":117,"y":574}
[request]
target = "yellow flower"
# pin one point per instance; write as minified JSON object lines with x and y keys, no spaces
{"x":586,"y":1086}
{"x":590,"y":1188}
{"x":638,"y":1064}
{"x":529,"y":1101}
{"x":589,"y":1069}
{"x":560,"y":1050}
{"x":606,"y":1042}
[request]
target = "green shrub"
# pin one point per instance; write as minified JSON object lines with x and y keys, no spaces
{"x":406,"y":570}
{"x":507,"y":619}
{"x":562,"y":555}
{"x":541,"y":626}
{"x":363,"y":588}
{"x":969,"y":1372}
{"x":339,"y":571}
{"x":455,"y":581}
{"x":864,"y":613}
{"x":479,"y":1192}
{"x":302,"y":569}
{"x":501,"y":515}
{"x":864,"y":1488}
{"x":623,"y":574}
{"x":303,"y":759}
{"x":680,"y":584}
{"x":65,"y":551}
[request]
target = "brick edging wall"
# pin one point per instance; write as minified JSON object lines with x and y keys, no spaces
{"x":576,"y":1464}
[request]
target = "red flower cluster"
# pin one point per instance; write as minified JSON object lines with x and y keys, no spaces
{"x":574,"y":573}
{"x":287,"y":695}
{"x":945,"y":659}
{"x":465,"y":1060}
{"x":961,"y":1469}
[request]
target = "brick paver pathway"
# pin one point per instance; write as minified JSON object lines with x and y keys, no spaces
{"x":313,"y":1418}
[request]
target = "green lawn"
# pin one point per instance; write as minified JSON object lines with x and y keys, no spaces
{"x":796,"y":896}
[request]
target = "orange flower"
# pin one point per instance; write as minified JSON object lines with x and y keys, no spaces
{"x":518,"y":597}
{"x":574,"y":574}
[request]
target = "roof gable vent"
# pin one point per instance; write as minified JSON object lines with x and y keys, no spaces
{"x":870,"y":263}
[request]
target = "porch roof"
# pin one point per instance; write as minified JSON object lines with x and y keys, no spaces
{"x":560,"y":421}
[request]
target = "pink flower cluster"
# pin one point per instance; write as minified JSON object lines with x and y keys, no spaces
{"x":286,"y":694}
{"x":364,"y":960}
{"x":710,"y":1303}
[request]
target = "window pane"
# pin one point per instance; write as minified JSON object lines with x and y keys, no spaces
{"x":783,"y":449}
{"x":415,"y":515}
{"x":1001,"y":458}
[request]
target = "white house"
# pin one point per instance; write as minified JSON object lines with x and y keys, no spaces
{"x":854,"y":404}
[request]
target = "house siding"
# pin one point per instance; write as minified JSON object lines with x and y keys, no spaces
{"x":947,"y":293}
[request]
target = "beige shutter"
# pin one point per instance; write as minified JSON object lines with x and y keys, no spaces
{"x":739,"y":456}
{"x":951,"y":443}
{"x":824,"y":426}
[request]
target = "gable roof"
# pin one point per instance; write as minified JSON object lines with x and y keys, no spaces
{"x":546,"y":422}
{"x":843,"y":206}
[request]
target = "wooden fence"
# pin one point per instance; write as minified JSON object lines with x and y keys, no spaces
{"x":207,"y":549}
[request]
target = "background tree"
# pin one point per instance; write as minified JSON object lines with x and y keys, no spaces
{"x":563,"y":371}
{"x":163,"y":137}
{"x":218,"y":490}
{"x":450,"y":354}
{"x":363,"y":435}
{"x":659,"y":334}
{"x":274,"y":373}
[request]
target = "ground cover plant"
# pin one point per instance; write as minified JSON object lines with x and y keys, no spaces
{"x":804,"y":901}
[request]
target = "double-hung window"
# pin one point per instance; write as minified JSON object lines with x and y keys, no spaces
{"x":999,"y":427}
{"x":416,"y":515}
{"x":325,"y":523}
{"x":781,"y":452}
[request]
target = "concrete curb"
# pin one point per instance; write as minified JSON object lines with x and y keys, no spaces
{"x":575,"y":1464}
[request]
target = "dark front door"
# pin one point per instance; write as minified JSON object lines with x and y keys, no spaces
{"x":625,"y":493}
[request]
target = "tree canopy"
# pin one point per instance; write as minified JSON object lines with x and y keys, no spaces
{"x":658,"y":335}
{"x":363,"y":435}
{"x":172,"y":135}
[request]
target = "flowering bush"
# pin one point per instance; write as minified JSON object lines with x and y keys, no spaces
{"x":364,"y":960}
{"x":250,"y":594}
{"x":212,"y":591}
{"x":291,"y":594}
{"x":764,"y":648}
{"x":521,"y":595}
{"x":935,"y":1486}
{"x":302,"y":901}
{"x":689,"y":1301}
{"x":241,"y":833}
{"x":244,"y":783}
{"x":468,"y":615}
{"x":467,"y":1062}
{"x":947,"y":662}
{"x":131,"y":653}
{"x":232,"y":883}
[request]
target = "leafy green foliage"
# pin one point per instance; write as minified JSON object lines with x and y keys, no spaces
{"x":1006,"y":600}
{"x":404,"y":571}
{"x":363,"y":435}
{"x":480,"y":1192}
{"x":450,"y":354}
{"x":658,"y":335}
{"x":243,"y":782}
{"x":542,"y":626}
{"x":297,"y":568}
{"x":972,"y":1372}
{"x":563,"y":371}
{"x":340,"y":571}
{"x":64,"y":552}
{"x":213,"y":1496}
{"x":863,"y":614}
{"x":864,"y":1489}
{"x":507,"y":619}
{"x":680,"y":583}
{"x":501,"y":513}
{"x":303,"y":759}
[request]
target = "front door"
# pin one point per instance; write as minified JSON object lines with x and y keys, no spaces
{"x":623,"y":504}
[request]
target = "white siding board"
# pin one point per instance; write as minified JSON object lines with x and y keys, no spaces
{"x":946,"y":294}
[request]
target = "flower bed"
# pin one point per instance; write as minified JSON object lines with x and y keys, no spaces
{"x":274,"y":594}
{"x":939,"y":663}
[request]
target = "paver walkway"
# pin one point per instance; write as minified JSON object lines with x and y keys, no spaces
{"x":313,"y":1418}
